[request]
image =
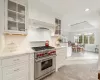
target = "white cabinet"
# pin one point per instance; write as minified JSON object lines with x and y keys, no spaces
{"x":0,"y":62}
{"x":69,"y":52}
{"x":15,"y":72}
{"x":15,"y":68}
{"x":0,"y":74}
{"x":16,"y":16}
{"x":15,"y":60}
{"x":61,"y":57}
{"x":31,"y":74}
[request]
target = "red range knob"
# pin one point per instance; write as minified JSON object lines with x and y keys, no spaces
{"x":49,"y":53}
{"x":40,"y":54}
{"x":53,"y":51}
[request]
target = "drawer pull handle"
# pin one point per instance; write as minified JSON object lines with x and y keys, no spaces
{"x":16,"y":70}
{"x":16,"y":60}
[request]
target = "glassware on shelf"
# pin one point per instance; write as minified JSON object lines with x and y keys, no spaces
{"x":12,"y":25}
{"x":21,"y":9}
{"x":21,"y":26}
{"x":11,"y":16}
{"x":21,"y":18}
{"x":12,"y":5}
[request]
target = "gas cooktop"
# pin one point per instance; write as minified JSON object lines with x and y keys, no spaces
{"x":42,"y":48}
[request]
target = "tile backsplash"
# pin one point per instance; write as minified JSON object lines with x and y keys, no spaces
{"x":16,"y":39}
{"x":23,"y":42}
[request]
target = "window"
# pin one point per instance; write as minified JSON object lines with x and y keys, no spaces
{"x":80,"y":39}
{"x":76,"y":39}
{"x":91,"y":39}
{"x":85,"y":38}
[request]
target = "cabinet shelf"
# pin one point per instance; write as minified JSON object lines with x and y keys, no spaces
{"x":12,"y":21}
{"x":21,"y":13}
{"x":17,"y":12}
{"x":21,"y":22}
{"x":11,"y":10}
{"x":16,"y":21}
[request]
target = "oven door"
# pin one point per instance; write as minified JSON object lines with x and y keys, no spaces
{"x":44,"y":66}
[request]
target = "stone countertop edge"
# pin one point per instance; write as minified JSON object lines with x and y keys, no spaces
{"x":61,"y":47}
{"x":12,"y":54}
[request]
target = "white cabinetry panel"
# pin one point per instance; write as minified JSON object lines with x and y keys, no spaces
{"x":61,"y":57}
{"x":0,"y":74}
{"x":31,"y":74}
{"x":15,"y":69}
{"x":15,"y":72}
{"x":14,"y":60}
{"x":0,"y":62}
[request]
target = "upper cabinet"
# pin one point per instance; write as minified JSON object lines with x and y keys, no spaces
{"x":16,"y":13}
{"x":58,"y":27}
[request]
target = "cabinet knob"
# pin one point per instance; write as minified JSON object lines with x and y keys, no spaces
{"x":16,"y":70}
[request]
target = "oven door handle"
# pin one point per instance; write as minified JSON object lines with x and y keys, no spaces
{"x":47,"y":58}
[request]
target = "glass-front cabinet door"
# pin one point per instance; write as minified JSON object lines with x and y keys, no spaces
{"x":58,"y":27}
{"x":15,"y":16}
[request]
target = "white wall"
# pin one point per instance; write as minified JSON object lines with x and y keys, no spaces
{"x":1,"y":16}
{"x":39,"y":35}
{"x":1,"y":21}
{"x":40,"y":11}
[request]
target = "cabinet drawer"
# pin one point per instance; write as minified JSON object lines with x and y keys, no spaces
{"x":19,"y":76}
{"x":14,"y":69}
{"x":0,"y":62}
{"x":14,"y":72}
{"x":62,"y":51}
{"x":14,"y":60}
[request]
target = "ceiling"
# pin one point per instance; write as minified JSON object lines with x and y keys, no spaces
{"x":72,"y":6}
{"x":73,"y":11}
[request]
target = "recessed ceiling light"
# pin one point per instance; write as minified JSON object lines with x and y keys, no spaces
{"x":87,"y":9}
{"x":68,"y":24}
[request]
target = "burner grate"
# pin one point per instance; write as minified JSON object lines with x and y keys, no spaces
{"x":42,"y":48}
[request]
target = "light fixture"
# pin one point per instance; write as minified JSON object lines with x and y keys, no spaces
{"x":68,"y":24}
{"x":87,"y":9}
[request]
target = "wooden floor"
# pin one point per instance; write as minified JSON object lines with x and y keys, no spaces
{"x":78,"y":68}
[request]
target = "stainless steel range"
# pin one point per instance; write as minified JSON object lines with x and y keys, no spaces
{"x":45,"y":61}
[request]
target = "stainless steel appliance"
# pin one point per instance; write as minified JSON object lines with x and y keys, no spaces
{"x":45,"y":61}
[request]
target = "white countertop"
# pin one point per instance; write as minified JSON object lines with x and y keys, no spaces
{"x":15,"y":53}
{"x":4,"y":54}
{"x":58,"y":47}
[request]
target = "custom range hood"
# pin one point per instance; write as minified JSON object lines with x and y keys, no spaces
{"x":41,"y":25}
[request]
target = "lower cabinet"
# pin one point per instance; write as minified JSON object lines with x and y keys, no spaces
{"x":61,"y":57}
{"x":0,"y":74}
{"x":31,"y":74}
{"x":17,"y":71}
